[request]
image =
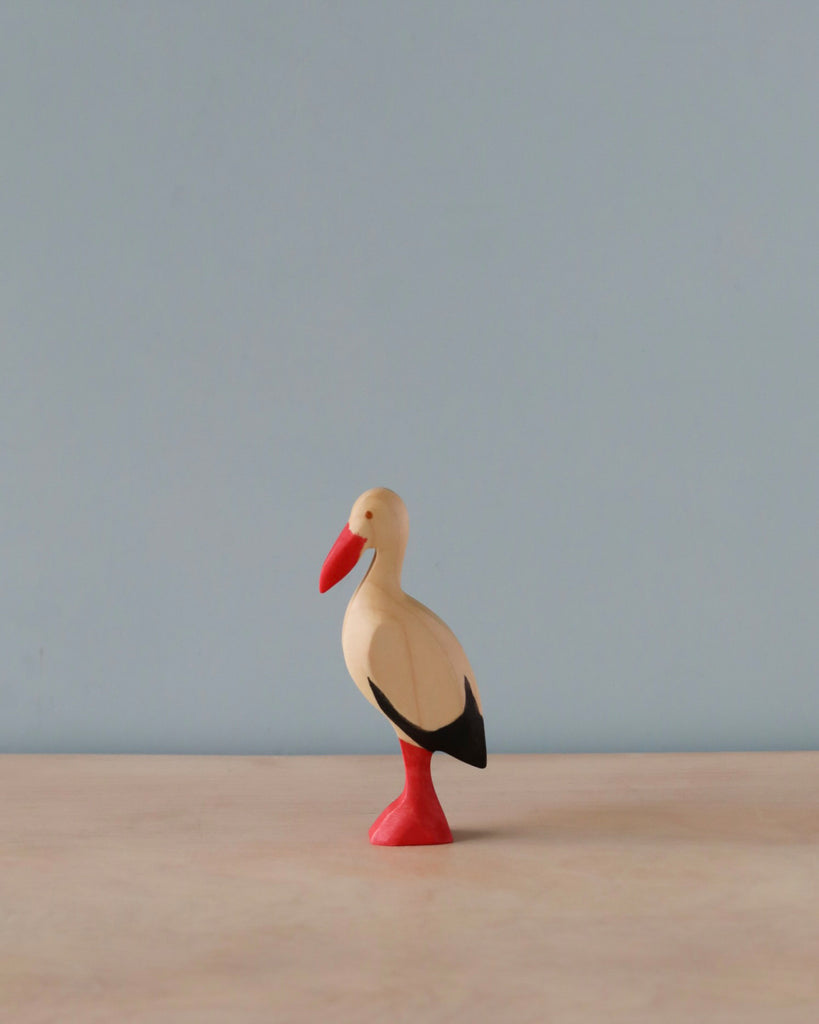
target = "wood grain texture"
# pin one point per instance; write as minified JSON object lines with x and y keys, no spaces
{"x":629,"y":888}
{"x":388,"y":637}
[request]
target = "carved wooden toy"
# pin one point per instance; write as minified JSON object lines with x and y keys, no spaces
{"x":408,"y":664}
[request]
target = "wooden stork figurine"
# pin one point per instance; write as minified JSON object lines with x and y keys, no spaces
{"x":408,"y":664}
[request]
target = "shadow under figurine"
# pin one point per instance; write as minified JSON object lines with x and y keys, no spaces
{"x":408,"y":664}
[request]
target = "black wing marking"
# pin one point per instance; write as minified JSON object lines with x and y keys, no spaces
{"x":464,"y":738}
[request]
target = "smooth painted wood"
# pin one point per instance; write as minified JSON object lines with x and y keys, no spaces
{"x":392,"y":639}
{"x":636,"y":888}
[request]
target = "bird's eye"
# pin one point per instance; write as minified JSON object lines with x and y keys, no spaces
{"x":368,"y":514}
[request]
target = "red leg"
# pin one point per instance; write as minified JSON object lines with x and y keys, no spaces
{"x":416,"y":818}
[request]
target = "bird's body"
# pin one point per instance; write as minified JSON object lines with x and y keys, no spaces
{"x":393,"y":642}
{"x":403,"y":658}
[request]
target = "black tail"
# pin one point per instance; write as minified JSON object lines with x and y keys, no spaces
{"x":463,"y":738}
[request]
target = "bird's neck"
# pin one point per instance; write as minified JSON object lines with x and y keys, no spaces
{"x":385,"y":571}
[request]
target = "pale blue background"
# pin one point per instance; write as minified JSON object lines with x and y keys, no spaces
{"x":548,"y":270}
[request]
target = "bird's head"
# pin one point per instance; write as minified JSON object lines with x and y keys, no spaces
{"x":378,"y":520}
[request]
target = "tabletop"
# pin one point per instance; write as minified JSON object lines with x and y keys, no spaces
{"x":623,"y":888}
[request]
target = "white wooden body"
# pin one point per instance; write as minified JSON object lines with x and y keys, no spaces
{"x":409,"y":653}
{"x":390,"y":639}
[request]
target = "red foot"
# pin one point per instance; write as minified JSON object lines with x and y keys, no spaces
{"x":416,"y":818}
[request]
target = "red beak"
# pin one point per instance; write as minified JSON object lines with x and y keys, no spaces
{"x":343,"y":556}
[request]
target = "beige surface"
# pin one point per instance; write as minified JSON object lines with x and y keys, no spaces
{"x":629,"y":888}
